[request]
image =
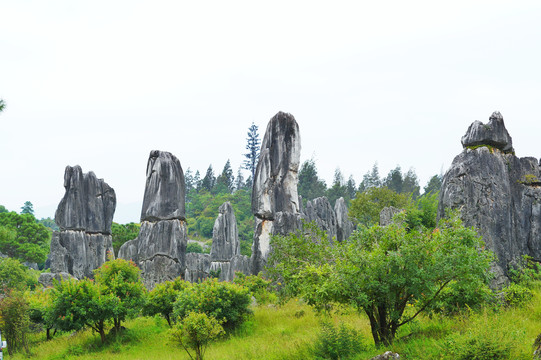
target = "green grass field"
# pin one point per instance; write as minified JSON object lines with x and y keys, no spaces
{"x":289,"y":332}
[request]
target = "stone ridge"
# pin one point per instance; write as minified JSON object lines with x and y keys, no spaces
{"x":499,"y":195}
{"x":493,"y":134}
{"x":165,"y":190}
{"x":88,"y":204}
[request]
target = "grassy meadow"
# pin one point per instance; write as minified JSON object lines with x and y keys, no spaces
{"x":290,"y":331}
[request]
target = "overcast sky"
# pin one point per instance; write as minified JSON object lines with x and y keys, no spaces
{"x":102,"y":83}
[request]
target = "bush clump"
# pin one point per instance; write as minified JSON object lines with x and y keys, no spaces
{"x":334,"y":343}
{"x":224,"y":301}
{"x":259,"y":287}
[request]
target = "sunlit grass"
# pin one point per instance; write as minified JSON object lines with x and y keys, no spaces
{"x":289,"y":332}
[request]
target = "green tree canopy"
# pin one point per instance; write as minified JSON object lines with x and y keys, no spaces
{"x":225,"y":183}
{"x":253,"y":146}
{"x":380,"y":270}
{"x":27,"y":208}
{"x":366,"y":206}
{"x":24,"y":238}
{"x":310,"y":185}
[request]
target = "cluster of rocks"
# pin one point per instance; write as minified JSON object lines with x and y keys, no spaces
{"x":84,"y":217}
{"x":224,"y":259}
{"x":497,"y":193}
{"x":275,"y":201}
{"x":335,"y":222}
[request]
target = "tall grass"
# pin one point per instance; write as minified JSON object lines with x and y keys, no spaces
{"x":290,"y":332}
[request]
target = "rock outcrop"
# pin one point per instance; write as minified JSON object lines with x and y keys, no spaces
{"x":497,"y":193}
{"x":321,"y":212}
{"x":225,"y":252}
{"x":275,"y":201}
{"x":386,"y":215}
{"x":344,"y":226}
{"x":160,"y":248}
{"x":84,"y":216}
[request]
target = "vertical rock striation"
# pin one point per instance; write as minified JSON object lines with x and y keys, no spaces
{"x":497,"y":193}
{"x":160,"y":248}
{"x":344,"y":226}
{"x":275,"y":201}
{"x":321,"y":212}
{"x":84,"y":216}
{"x":225,"y":252}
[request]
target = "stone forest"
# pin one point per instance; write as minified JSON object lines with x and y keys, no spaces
{"x":480,"y":259}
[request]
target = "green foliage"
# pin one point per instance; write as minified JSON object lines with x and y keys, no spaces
{"x":14,"y":321}
{"x":253,"y":146}
{"x":161,"y":299}
{"x":460,"y":295}
{"x":366,"y":206}
{"x":221,"y":300}
{"x":433,"y":185}
{"x":310,"y":185}
{"x":259,"y":287}
{"x":3,"y":209}
{"x":526,"y":272}
{"x":27,"y":208}
{"x":80,"y":303}
{"x":484,"y":342}
{"x":2,"y":105}
{"x":337,"y":343}
{"x":516,"y":294}
{"x":380,"y":271}
{"x":39,"y":309}
{"x":122,"y":233}
{"x":195,"y":332}
{"x":339,"y":189}
{"x":14,"y":276}
{"x":424,"y":212}
{"x":225,"y":182}
{"x":194,"y":247}
{"x":25,"y":239}
{"x":121,"y":279}
{"x":49,"y":223}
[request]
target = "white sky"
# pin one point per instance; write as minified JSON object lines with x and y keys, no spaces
{"x":102,"y":83}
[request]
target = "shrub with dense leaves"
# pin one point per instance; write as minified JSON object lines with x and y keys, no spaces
{"x":14,"y":275}
{"x":40,"y":303}
{"x":516,"y":294}
{"x":14,"y":321}
{"x":161,"y":299}
{"x":120,"y":278}
{"x":224,"y":301}
{"x":80,"y":303}
{"x":336,"y":343}
{"x":259,"y":287}
{"x":195,"y":332}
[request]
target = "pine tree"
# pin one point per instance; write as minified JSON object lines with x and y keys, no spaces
{"x":27,"y":208}
{"x":209,"y":181}
{"x":225,"y":181}
{"x":239,"y":181}
{"x":2,"y":105}
{"x":371,"y":179}
{"x":253,"y":147}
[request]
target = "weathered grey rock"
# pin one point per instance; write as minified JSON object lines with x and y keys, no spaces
{"x":197,"y":267}
{"x":386,"y":215}
{"x":493,"y":134}
{"x":275,"y":200}
{"x":275,"y":180}
{"x":88,"y":204}
{"x":79,"y":253}
{"x":47,"y":279}
{"x":165,"y":188}
{"x":160,"y":248}
{"x":225,"y":235}
{"x":159,"y":251}
{"x":500,"y":195}
{"x":321,"y":212}
{"x":31,"y":265}
{"x":388,"y":355}
{"x":344,"y":226}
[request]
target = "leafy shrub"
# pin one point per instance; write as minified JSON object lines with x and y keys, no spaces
{"x":460,"y":296}
{"x":14,"y":321}
{"x":484,"y":340}
{"x":14,"y":275}
{"x":258,"y":286}
{"x":336,"y":343}
{"x":194,"y":247}
{"x":526,"y":272}
{"x":161,"y":299}
{"x":221,"y":300}
{"x":516,"y":294}
{"x":196,"y":331}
